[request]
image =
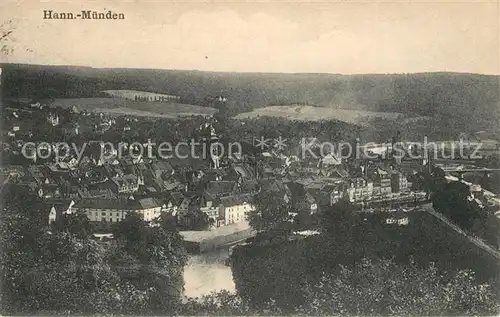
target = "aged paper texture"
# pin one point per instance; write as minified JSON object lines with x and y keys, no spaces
{"x":249,"y":158}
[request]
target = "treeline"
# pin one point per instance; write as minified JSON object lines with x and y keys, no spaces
{"x":294,"y":131}
{"x":470,"y":99}
{"x":62,"y":270}
{"x":365,"y":289}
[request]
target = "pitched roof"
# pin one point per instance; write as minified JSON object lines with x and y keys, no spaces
{"x":117,"y":203}
{"x":249,"y":186}
{"x":103,"y":203}
{"x":175,"y":197}
{"x":218,"y":188}
{"x":296,"y":189}
{"x":338,"y":173}
{"x":147,"y":203}
{"x":235,"y":200}
{"x":60,"y":203}
{"x":161,"y":166}
{"x":271,"y":184}
{"x":243,"y":170}
{"x":168,"y":183}
{"x":189,"y":163}
{"x":331,"y":159}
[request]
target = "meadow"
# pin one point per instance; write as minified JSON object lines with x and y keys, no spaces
{"x":131,"y":94}
{"x":312,"y":113}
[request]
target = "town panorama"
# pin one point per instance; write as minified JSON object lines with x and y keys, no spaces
{"x":137,"y":190}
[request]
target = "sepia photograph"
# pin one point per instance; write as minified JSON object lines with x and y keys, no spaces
{"x":249,"y":158}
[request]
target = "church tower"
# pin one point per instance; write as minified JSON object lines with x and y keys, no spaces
{"x":211,"y":140}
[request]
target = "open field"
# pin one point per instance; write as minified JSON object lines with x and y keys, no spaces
{"x":132,"y":94}
{"x":311,"y":113}
{"x":130,"y":107}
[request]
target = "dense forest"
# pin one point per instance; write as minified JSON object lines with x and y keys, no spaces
{"x":470,"y":100}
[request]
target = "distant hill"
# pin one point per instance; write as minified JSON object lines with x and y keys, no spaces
{"x":468,"y":101}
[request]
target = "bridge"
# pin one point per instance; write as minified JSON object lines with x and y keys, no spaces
{"x":478,"y":242}
{"x":469,"y":170}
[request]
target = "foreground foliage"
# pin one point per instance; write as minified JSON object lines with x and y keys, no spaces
{"x":355,"y":267}
{"x":370,"y":288}
{"x":359,"y":265}
{"x":64,"y":271}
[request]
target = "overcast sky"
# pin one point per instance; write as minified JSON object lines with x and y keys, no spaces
{"x":344,"y":38}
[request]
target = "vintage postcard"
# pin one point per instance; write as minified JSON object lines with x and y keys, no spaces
{"x":170,"y":158}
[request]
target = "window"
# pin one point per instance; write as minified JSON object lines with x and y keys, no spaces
{"x":103,"y":214}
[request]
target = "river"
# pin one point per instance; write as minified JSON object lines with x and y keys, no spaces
{"x":207,"y":272}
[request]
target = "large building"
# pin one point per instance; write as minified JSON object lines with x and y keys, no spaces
{"x":337,"y":192}
{"x":221,"y":211}
{"x":360,"y":189}
{"x":381,"y":182}
{"x":234,"y":209}
{"x":115,"y":210}
{"x":399,"y":183}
